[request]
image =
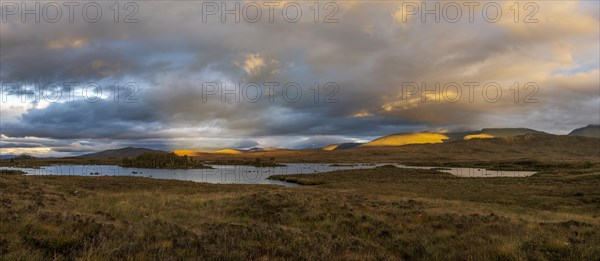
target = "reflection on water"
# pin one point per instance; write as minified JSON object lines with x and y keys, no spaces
{"x":478,"y":173}
{"x":224,"y":174}
{"x":221,"y":174}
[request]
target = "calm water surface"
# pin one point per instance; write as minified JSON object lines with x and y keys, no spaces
{"x":236,"y":174}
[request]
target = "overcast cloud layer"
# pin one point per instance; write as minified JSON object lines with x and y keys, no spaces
{"x":370,"y":53}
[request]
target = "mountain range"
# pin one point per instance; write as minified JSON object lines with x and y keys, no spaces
{"x":129,"y":152}
{"x":400,"y":139}
{"x":393,"y":140}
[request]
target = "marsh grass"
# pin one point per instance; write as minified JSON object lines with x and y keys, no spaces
{"x":376,"y":214}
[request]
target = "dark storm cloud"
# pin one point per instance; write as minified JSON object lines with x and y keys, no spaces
{"x":81,"y":119}
{"x":369,"y":54}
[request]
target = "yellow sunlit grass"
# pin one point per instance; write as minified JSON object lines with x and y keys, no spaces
{"x":408,"y":138}
{"x":228,"y":151}
{"x":331,"y":147}
{"x":270,"y":149}
{"x":186,"y":152}
{"x":479,"y":136}
{"x":200,"y":152}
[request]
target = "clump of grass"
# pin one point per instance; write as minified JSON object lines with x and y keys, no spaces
{"x":11,"y":172}
{"x":300,"y":180}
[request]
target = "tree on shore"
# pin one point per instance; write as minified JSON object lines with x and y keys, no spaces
{"x":161,"y":160}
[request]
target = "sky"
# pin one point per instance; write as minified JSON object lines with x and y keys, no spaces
{"x":197,"y":75}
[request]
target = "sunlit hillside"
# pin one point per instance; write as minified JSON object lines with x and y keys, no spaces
{"x":408,"y":138}
{"x":200,"y":152}
{"x":479,"y":136}
{"x":228,"y":151}
{"x":330,"y":147}
{"x":186,"y":152}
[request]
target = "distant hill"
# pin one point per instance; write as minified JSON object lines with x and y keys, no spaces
{"x":541,"y":147}
{"x":533,"y":145}
{"x":128,"y":152}
{"x":8,"y":156}
{"x":401,"y":139}
{"x":592,"y":131}
{"x":256,"y":149}
{"x":341,"y":146}
{"x":24,"y":155}
{"x":509,"y":132}
{"x":488,"y":133}
{"x":195,"y":153}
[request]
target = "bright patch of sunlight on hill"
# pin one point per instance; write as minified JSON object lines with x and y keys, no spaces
{"x":331,"y":147}
{"x":408,"y":138}
{"x":199,"y":152}
{"x":479,"y":136}
{"x":228,"y":151}
{"x":186,"y":152}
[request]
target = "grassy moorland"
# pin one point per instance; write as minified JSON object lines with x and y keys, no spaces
{"x":378,"y":214}
{"x":525,"y":152}
{"x":42,"y":162}
{"x":545,"y":149}
{"x":141,"y":161}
